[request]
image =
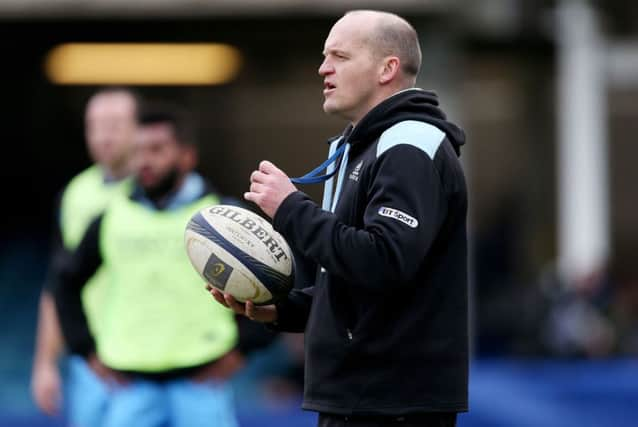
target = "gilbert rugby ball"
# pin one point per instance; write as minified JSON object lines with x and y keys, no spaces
{"x":239,"y":253}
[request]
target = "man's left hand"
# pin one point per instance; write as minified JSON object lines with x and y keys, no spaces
{"x":269,"y":186}
{"x":110,"y":376}
{"x":221,"y":369}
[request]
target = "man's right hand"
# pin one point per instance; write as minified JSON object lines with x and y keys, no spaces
{"x":258,"y":313}
{"x":46,"y":387}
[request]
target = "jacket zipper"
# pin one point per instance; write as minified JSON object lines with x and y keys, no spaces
{"x":349,"y":334}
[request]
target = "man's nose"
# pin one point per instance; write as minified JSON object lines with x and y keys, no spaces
{"x":325,"y":68}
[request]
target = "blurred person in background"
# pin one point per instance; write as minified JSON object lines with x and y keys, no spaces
{"x":164,"y":351}
{"x":386,"y":322}
{"x":110,"y":121}
{"x":578,"y":322}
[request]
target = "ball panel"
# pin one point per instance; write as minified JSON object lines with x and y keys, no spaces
{"x":245,"y":286}
{"x":198,"y":250}
{"x":217,"y":272}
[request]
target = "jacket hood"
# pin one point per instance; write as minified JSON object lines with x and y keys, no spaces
{"x":410,"y":104}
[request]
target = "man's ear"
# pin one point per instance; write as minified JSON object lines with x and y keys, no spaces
{"x":391,"y":67}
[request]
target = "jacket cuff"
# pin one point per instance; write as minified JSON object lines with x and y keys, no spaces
{"x":286,"y":207}
{"x":283,"y":317}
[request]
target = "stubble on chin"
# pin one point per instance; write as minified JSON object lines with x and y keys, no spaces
{"x":330,"y":108}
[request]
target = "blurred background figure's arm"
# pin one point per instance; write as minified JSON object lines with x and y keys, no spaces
{"x":46,"y":381}
{"x":46,"y":385}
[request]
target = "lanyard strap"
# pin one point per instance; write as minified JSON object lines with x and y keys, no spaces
{"x":342,"y":174}
{"x":313,"y":176}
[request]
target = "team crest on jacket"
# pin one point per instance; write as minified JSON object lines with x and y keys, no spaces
{"x":354,"y":175}
{"x":408,"y":220}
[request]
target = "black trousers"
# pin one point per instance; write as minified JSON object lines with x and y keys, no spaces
{"x":434,"y":419}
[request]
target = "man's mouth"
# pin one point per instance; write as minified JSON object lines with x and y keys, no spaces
{"x":328,"y":88}
{"x":146,"y":176}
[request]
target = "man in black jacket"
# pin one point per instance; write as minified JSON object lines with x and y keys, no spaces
{"x":386,"y":321}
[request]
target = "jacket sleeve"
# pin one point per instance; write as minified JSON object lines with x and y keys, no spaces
{"x":67,"y":289}
{"x":293,"y":311}
{"x":401,"y":220}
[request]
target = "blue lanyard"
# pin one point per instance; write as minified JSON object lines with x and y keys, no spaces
{"x":313,"y":176}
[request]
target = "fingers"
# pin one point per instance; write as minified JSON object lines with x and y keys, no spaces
{"x":268,"y":168}
{"x":98,"y":368}
{"x":228,"y":301}
{"x":46,"y":389}
{"x":250,"y":310}
{"x":252,"y":197}
{"x":268,"y":187}
{"x":256,"y":193}
{"x":219,"y":297}
{"x":52,"y":406}
{"x":234,"y":305}
{"x":258,"y":176}
{"x":222,"y":369}
{"x":264,"y":169}
{"x":258,"y":188}
{"x":120,"y":378}
{"x":48,"y":401}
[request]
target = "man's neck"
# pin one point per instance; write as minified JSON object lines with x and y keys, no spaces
{"x":383,"y":96}
{"x":115,"y":173}
{"x":188,"y":189}
{"x":162,"y":199}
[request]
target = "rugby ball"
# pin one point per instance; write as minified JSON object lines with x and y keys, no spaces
{"x":239,"y":253}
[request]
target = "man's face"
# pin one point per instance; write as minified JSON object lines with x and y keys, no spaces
{"x":158,"y":156}
{"x":110,"y":125}
{"x":350,"y":70}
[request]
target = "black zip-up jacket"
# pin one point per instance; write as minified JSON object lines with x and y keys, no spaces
{"x":386,"y":321}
